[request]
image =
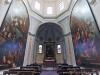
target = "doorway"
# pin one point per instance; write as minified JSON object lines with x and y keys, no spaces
{"x":49,"y":50}
{"x":49,"y":54}
{"x":49,"y":35}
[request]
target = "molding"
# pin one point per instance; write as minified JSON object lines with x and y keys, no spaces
{"x":68,"y":13}
{"x":54,"y":19}
{"x":64,"y":16}
{"x":49,"y":20}
{"x":65,"y":10}
{"x":51,"y":17}
{"x":31,"y":34}
{"x":33,"y":14}
{"x":69,"y":33}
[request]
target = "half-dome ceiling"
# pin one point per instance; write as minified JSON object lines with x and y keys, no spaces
{"x":49,"y":8}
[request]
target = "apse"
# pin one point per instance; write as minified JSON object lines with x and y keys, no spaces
{"x":49,"y":32}
{"x":49,"y":43}
{"x":85,"y":34}
{"x":13,"y":34}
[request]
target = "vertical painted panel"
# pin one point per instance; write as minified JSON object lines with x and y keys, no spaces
{"x":13,"y":35}
{"x":86,"y":36}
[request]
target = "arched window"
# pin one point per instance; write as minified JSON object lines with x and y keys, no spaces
{"x":49,"y":10}
{"x":58,"y":48}
{"x":40,"y":49}
{"x":37,"y":5}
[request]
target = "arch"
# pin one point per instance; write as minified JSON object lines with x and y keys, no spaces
{"x":47,"y":30}
{"x":50,"y":33}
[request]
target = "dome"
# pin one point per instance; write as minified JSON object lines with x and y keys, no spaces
{"x":49,"y":8}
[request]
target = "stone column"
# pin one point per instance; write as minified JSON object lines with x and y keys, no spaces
{"x":29,"y":51}
{"x":69,"y":50}
{"x":64,"y":51}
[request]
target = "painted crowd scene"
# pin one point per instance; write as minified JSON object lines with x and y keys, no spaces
{"x":13,"y":35}
{"x":86,"y":35}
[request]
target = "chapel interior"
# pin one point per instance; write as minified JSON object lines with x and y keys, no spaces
{"x":49,"y":37}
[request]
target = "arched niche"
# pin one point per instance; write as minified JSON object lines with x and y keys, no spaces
{"x":13,"y":34}
{"x":49,"y":34}
{"x":85,"y":35}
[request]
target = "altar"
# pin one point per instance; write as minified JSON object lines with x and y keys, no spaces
{"x":49,"y":63}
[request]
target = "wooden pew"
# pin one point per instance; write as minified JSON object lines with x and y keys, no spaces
{"x":36,"y":66}
{"x":29,"y":68}
{"x":9,"y":73}
{"x":21,"y":72}
{"x":89,"y":71}
{"x":69,"y":70}
{"x":4,"y":66}
{"x":36,"y":69}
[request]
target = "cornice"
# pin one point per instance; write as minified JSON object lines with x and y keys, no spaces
{"x":52,"y":17}
{"x":56,"y":18}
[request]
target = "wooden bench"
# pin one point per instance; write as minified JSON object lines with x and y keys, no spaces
{"x":4,"y":66}
{"x":90,"y":71}
{"x":9,"y":73}
{"x":35,"y":66}
{"x":21,"y":72}
{"x":77,"y":71}
{"x":28,"y":67}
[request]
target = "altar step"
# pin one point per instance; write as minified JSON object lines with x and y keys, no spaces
{"x":49,"y":63}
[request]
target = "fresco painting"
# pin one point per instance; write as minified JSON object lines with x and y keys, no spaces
{"x":13,"y":35}
{"x":85,"y":35}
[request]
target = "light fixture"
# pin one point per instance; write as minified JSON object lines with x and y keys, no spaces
{"x":58,"y":48}
{"x":40,"y":48}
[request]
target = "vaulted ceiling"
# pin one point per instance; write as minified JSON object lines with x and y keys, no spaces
{"x":58,"y":7}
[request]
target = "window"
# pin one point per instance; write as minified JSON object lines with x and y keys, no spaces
{"x":61,"y":5}
{"x":40,"y":48}
{"x":9,"y":1}
{"x":49,"y":10}
{"x":58,"y":48}
{"x":37,"y":5}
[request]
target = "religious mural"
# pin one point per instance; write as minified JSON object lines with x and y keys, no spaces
{"x":13,"y":35}
{"x":85,"y":34}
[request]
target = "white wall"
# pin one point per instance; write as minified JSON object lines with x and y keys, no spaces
{"x":34,"y":24}
{"x":68,"y":12}
{"x":31,"y":11}
{"x":96,"y":11}
{"x":66,"y":5}
{"x":3,"y":8}
{"x":32,"y":5}
{"x":49,"y":4}
{"x":65,"y":24}
{"x":29,"y":52}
